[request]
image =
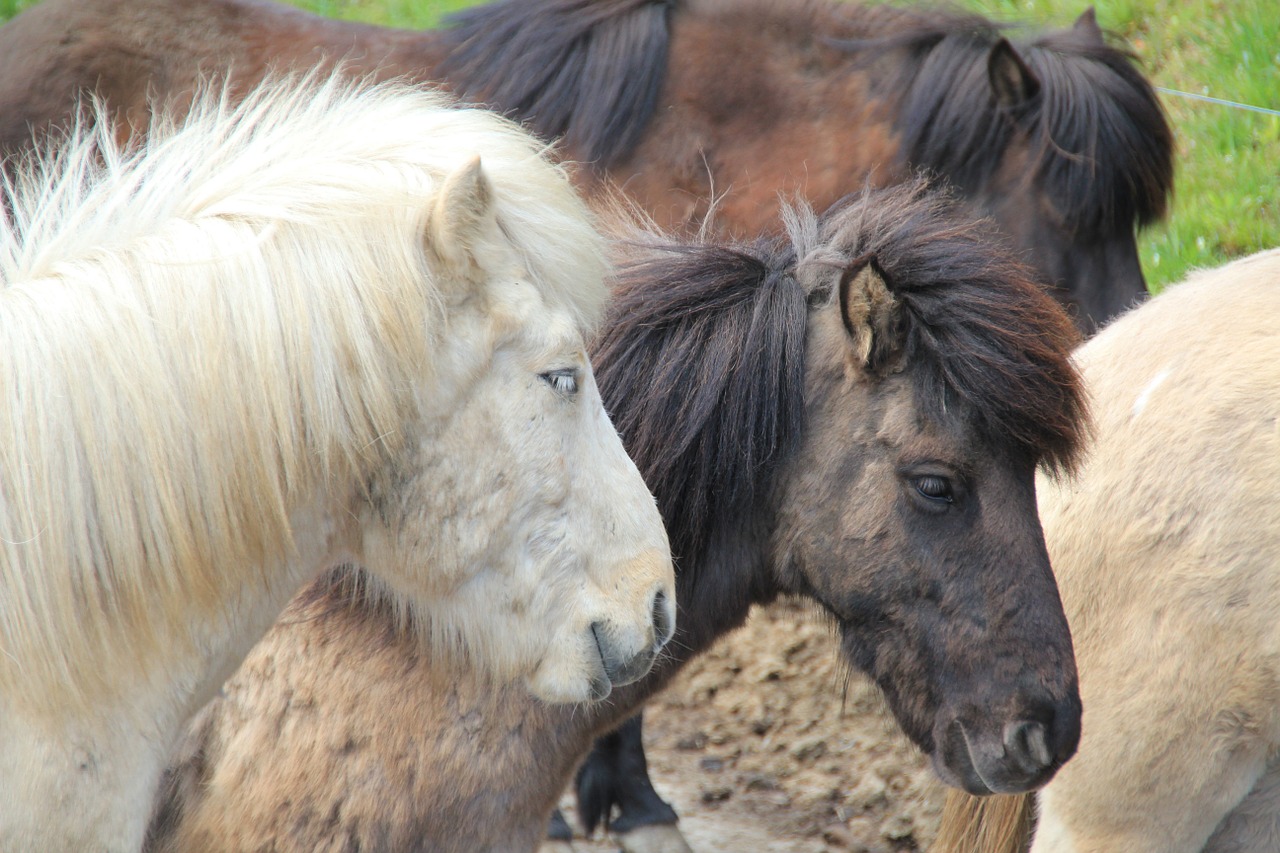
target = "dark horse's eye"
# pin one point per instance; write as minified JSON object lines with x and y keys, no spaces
{"x":565,"y":381}
{"x":934,"y":488}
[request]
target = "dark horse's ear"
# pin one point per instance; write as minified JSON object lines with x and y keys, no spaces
{"x":1087,"y":25}
{"x":870,"y":313}
{"x":1012,"y":81}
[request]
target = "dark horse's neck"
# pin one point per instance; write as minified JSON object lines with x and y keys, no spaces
{"x":701,"y":367}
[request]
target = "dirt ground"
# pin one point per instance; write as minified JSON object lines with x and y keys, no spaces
{"x":761,"y":746}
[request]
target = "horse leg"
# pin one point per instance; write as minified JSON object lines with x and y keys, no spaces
{"x":559,"y":835}
{"x":616,"y":773}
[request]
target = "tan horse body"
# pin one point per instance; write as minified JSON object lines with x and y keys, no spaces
{"x":337,"y":734}
{"x":1166,"y":546}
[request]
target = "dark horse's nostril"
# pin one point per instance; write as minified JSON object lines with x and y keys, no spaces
{"x":661,"y":621}
{"x":1027,"y":744}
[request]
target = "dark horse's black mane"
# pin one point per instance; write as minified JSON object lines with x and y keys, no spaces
{"x":586,"y":70}
{"x":591,"y":71}
{"x":702,"y":360}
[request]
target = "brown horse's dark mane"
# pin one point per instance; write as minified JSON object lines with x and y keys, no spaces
{"x":586,"y":70}
{"x":1093,"y":101}
{"x":702,"y":359}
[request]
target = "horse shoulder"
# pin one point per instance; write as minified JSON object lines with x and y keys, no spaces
{"x":132,"y":51}
{"x":285,"y":742}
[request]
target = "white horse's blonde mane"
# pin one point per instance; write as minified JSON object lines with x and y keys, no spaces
{"x":260,"y":270}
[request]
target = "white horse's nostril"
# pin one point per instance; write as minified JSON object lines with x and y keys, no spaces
{"x":601,"y":683}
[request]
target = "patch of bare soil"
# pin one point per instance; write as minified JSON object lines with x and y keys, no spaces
{"x":766,"y":743}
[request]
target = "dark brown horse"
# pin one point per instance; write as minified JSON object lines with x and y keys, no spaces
{"x":854,"y":412}
{"x":1058,"y":138}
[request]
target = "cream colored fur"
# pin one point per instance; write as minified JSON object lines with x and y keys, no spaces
{"x":1167,"y":553}
{"x":276,"y":336}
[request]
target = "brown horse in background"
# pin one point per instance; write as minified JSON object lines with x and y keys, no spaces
{"x":1058,"y":138}
{"x":853,"y":412}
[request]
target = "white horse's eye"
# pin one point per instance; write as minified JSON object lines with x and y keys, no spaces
{"x":565,"y":381}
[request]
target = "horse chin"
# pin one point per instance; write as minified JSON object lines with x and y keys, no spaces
{"x":603,"y":656}
{"x":573,"y":682}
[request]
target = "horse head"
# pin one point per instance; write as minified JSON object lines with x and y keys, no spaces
{"x":1077,"y":154}
{"x":937,"y":380}
{"x":545,"y":520}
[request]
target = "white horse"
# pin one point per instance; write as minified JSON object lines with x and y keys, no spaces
{"x":275,"y":337}
{"x":1166,"y":547}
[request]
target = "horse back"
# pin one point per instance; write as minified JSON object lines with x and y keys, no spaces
{"x":1168,"y":527}
{"x":132,"y":51}
{"x":759,"y":97}
{"x":1165,"y":553}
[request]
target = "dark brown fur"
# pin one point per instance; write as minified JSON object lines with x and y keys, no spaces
{"x":1058,"y":138}
{"x":782,"y":399}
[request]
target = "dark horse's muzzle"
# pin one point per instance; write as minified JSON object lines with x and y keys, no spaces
{"x":993,"y":755}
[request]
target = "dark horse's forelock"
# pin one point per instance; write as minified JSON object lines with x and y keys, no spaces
{"x":1102,"y":147}
{"x":701,"y":368}
{"x":587,"y":70}
{"x":978,"y":329}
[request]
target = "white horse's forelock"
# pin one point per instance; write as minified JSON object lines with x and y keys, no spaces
{"x":148,"y":288}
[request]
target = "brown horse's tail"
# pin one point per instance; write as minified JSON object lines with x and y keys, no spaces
{"x":998,"y":824}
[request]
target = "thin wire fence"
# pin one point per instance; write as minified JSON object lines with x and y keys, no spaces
{"x":1224,"y":102}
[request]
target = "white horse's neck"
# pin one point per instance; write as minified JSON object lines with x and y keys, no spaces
{"x":111,"y":764}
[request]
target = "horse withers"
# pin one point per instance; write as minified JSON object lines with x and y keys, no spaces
{"x":266,"y":342}
{"x":853,"y":412}
{"x":1057,"y":137}
{"x":1166,"y":544}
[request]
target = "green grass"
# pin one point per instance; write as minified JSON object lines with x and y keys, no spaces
{"x":9,"y":8}
{"x":1227,"y":192}
{"x":395,"y":13}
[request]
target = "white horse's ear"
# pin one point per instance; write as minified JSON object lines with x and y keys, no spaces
{"x":461,"y":215}
{"x":870,"y":313}
{"x":1012,"y":81}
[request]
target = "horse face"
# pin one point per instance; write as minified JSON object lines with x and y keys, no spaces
{"x":923,"y":541}
{"x":552,"y":554}
{"x":1095,"y":275}
{"x":1092,"y":267}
